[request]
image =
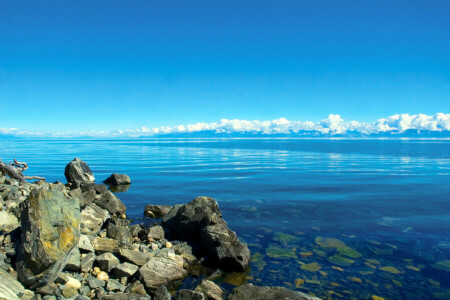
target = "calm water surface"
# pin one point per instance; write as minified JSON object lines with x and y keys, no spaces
{"x":340,"y":218}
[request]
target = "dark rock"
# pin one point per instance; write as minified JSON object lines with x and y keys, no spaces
{"x":120,"y":233}
{"x":201,"y":221}
{"x":111,"y":203}
{"x":162,"y":293}
{"x":121,"y":296}
{"x":87,"y":262}
{"x":118,"y":179}
{"x":125,"y":270}
{"x":50,"y":289}
{"x":136,"y":288}
{"x":164,"y":268}
{"x":154,"y":232}
{"x":251,"y":292}
{"x":95,"y":283}
{"x":156,"y":211}
{"x":78,"y":173}
{"x":135,"y":230}
{"x":107,"y":261}
{"x":74,"y":261}
{"x":190,"y":295}
{"x":50,"y":232}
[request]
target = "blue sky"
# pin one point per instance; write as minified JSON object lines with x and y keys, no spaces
{"x":107,"y":65}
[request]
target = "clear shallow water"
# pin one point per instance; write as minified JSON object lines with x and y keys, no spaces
{"x":380,"y":203}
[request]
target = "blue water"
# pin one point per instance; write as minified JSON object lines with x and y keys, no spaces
{"x":387,"y":199}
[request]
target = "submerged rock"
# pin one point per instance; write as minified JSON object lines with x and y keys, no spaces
{"x":78,"y":173}
{"x":118,"y":179}
{"x":50,"y":232}
{"x":201,"y":221}
{"x":251,"y":292}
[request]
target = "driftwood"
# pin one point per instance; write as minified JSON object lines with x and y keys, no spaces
{"x":14,"y":170}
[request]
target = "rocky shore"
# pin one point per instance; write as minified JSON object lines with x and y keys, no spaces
{"x":74,"y":241}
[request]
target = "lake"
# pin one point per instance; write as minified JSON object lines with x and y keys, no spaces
{"x":339,"y":218}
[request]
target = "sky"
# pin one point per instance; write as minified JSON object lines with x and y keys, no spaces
{"x":117,"y":65}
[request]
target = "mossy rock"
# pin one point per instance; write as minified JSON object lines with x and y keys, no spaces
{"x":347,"y":251}
{"x":281,"y":253}
{"x":390,"y":269}
{"x":329,"y":243}
{"x":340,"y":260}
{"x":443,"y":265}
{"x":311,"y":267}
{"x":286,"y":239}
{"x":257,"y":260}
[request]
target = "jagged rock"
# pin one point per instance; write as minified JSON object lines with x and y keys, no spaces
{"x":95,"y":283}
{"x":211,"y":290}
{"x":162,"y":293}
{"x":74,"y":261}
{"x":135,"y":230}
{"x":93,"y":217}
{"x":120,"y":233}
{"x":251,"y":292}
{"x":111,"y":203}
{"x":201,"y":221}
{"x":78,"y":173}
{"x":190,"y":295}
{"x":136,"y":288}
{"x":114,"y":285}
{"x":118,"y":179}
{"x":50,"y":223}
{"x":156,"y":211}
{"x":85,"y":244}
{"x":102,"y":245}
{"x":87,"y":261}
{"x":135,"y":257}
{"x":125,"y":270}
{"x":154,"y":232}
{"x":8,"y":222}
{"x":10,"y":288}
{"x":107,"y":261}
{"x":164,"y":268}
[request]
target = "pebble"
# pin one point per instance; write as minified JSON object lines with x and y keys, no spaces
{"x":73,"y":283}
{"x":168,"y":245}
{"x":103,"y":276}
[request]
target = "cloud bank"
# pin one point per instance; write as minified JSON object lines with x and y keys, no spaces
{"x":334,"y":125}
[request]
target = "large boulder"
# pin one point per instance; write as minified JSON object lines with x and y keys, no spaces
{"x":79,"y":174}
{"x":50,"y":232}
{"x":164,"y":268}
{"x":251,"y":292}
{"x":201,"y":221}
{"x":118,"y":179}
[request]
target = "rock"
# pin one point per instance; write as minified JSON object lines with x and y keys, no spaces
{"x":85,"y":244}
{"x":125,"y":270}
{"x":121,"y":296}
{"x":10,"y":288}
{"x":118,"y":179}
{"x":78,"y":173}
{"x":87,"y":261}
{"x":162,"y":293}
{"x":211,"y":290}
{"x":50,"y":223}
{"x":107,"y":261}
{"x":120,"y":233}
{"x":74,"y":261}
{"x":102,"y":245}
{"x":156,"y":211}
{"x":111,"y":203}
{"x":114,"y":285}
{"x":136,"y":288}
{"x":201,"y":221}
{"x":164,"y":268}
{"x":73,"y":283}
{"x":50,"y":289}
{"x":103,"y":276}
{"x":135,"y":230}
{"x":251,"y":292}
{"x":93,"y":217}
{"x":95,"y":282}
{"x":135,"y":257}
{"x":154,"y":232}
{"x":190,"y":295}
{"x":8,"y":222}
{"x":69,"y":292}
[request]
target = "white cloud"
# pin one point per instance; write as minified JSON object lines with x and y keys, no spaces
{"x":332,"y":125}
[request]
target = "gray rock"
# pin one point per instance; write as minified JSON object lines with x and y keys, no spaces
{"x":111,"y":203}
{"x":93,"y":217}
{"x":156,"y":211}
{"x":50,"y":223}
{"x":136,"y":288}
{"x":87,"y":261}
{"x":164,"y":268}
{"x":82,"y":297}
{"x":125,"y":270}
{"x":251,"y":292}
{"x":201,"y":221}
{"x":135,"y":230}
{"x":74,"y":261}
{"x":8,"y":221}
{"x":85,"y":244}
{"x":114,"y":285}
{"x":102,"y":245}
{"x":121,"y":296}
{"x":120,"y":233}
{"x":162,"y":293}
{"x":69,"y":292}
{"x":135,"y":257}
{"x":211,"y":290}
{"x":190,"y":295}
{"x":107,"y":261}
{"x":95,"y":283}
{"x":118,"y":179}
{"x":10,"y":288}
{"x":154,"y":232}
{"x":78,"y":173}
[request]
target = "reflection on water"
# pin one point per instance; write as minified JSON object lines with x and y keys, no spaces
{"x":337,"y":218}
